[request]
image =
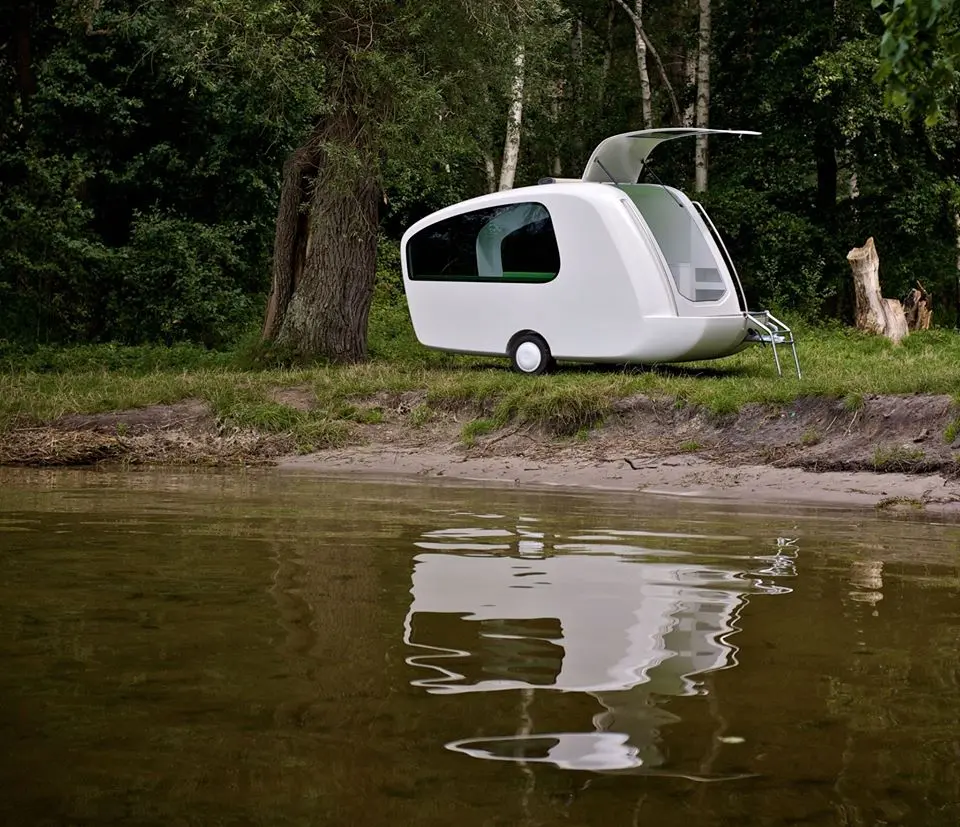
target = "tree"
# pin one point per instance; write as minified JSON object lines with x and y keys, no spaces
{"x":920,"y":54}
{"x":362,"y":83}
{"x":703,"y":94}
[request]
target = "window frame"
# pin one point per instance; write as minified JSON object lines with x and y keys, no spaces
{"x":516,"y":277}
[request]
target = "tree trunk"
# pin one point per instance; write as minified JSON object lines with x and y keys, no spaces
{"x":646,"y":98}
{"x":651,"y":50}
{"x":607,"y":52}
{"x":918,"y":309}
{"x":325,"y":259}
{"x":690,"y":76}
{"x":291,"y":237}
{"x":511,"y":146}
{"x":490,"y":167}
{"x":556,"y":167}
{"x":874,"y":314}
{"x":703,"y":96}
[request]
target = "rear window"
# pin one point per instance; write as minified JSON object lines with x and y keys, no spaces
{"x":511,"y":242}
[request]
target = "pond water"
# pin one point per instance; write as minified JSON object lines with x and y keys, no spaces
{"x":186,"y":648}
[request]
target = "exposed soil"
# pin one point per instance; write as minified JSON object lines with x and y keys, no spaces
{"x":889,"y":450}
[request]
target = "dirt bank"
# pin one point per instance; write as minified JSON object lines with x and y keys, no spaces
{"x":888,"y":451}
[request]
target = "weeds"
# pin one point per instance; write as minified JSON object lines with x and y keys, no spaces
{"x":896,"y":458}
{"x":952,"y":432}
{"x":810,"y":437}
{"x":475,"y":428}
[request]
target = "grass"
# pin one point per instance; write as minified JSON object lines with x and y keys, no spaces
{"x":46,"y":383}
{"x":952,"y":432}
{"x":896,"y":457}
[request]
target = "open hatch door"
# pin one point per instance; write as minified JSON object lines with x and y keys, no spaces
{"x":622,"y":157}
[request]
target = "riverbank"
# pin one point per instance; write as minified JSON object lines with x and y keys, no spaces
{"x":868,"y":422}
{"x":891,"y":451}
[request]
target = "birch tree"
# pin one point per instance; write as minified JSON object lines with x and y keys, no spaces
{"x":646,"y":97}
{"x":703,"y":97}
{"x":511,"y":146}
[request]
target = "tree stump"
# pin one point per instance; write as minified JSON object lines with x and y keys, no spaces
{"x":874,"y":314}
{"x":917,"y":309}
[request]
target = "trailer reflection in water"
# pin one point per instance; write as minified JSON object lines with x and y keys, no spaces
{"x":624,"y":624}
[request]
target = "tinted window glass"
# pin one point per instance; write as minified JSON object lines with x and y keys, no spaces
{"x":513,"y":242}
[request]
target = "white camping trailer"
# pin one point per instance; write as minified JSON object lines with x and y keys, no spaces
{"x":595,"y":269}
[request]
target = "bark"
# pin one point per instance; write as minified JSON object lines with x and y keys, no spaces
{"x":652,"y":51}
{"x":701,"y":161}
{"x":690,"y":76}
{"x":291,"y":237}
{"x":511,"y":146}
{"x":576,"y":53}
{"x":321,"y":306}
{"x":556,"y":169}
{"x":874,"y":314}
{"x":918,"y":309}
{"x":490,"y":168}
{"x":646,"y":98}
{"x":607,"y":51}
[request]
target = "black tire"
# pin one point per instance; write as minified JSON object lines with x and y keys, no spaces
{"x":530,"y":355}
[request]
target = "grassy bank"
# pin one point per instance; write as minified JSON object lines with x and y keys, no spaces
{"x":42,"y":386}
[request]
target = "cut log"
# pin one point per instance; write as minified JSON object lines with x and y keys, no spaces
{"x":874,"y":314}
{"x":917,"y":308}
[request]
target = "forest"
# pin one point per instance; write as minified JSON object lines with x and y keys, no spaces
{"x":197,"y":170}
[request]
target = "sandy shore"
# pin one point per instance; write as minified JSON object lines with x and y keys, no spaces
{"x":681,"y":476}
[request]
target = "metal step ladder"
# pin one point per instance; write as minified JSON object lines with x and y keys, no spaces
{"x":769,"y":330}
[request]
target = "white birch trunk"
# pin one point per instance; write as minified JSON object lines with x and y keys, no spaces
{"x":703,"y":96}
{"x":511,"y":147}
{"x":646,"y":98}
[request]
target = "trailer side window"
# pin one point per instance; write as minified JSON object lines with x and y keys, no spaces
{"x":513,"y":242}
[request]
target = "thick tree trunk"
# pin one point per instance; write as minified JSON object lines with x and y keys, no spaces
{"x":322,"y":295}
{"x":511,"y":146}
{"x":703,"y":97}
{"x":646,"y":97}
{"x":291,"y":237}
{"x":874,"y":314}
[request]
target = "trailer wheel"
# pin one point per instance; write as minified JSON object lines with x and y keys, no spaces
{"x":530,"y":354}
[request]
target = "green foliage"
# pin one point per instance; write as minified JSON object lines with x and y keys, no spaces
{"x":919,"y":54}
{"x":131,"y":211}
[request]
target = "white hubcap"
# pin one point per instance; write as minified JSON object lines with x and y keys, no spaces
{"x":529,"y":357}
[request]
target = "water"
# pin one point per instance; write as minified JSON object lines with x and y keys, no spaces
{"x":285,"y":650}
